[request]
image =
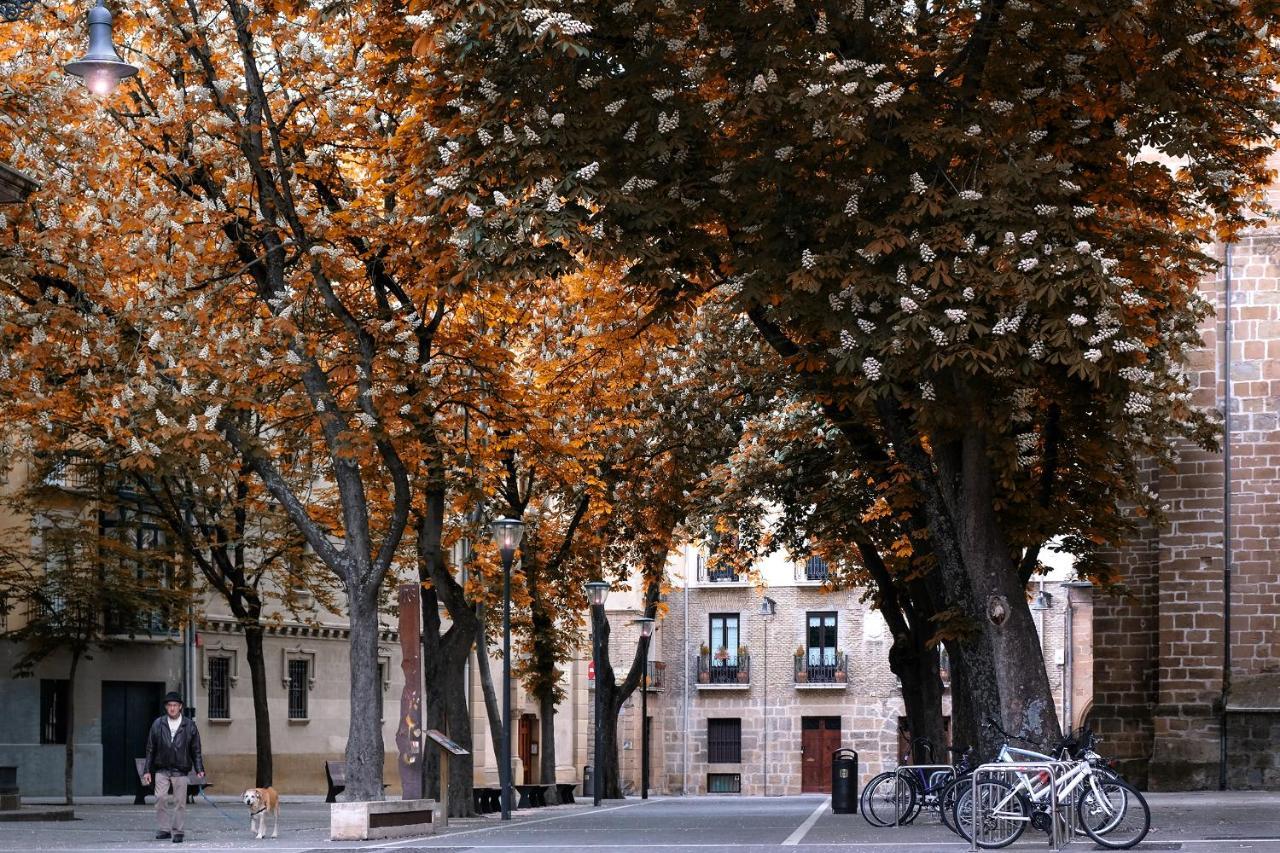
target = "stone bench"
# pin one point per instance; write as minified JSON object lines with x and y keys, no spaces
{"x":383,"y":819}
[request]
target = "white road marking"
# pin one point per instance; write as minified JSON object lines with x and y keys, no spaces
{"x":801,"y":831}
{"x":508,"y":824}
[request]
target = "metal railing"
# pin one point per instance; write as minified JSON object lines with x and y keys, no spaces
{"x":985,"y":822}
{"x":712,"y":668}
{"x":814,"y":570}
{"x":824,"y":671}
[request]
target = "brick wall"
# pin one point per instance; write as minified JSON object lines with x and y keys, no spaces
{"x":1159,"y":664}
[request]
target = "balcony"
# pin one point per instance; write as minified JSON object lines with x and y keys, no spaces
{"x":719,"y":573}
{"x":722,"y":671}
{"x":819,"y":670}
{"x":812,"y":570}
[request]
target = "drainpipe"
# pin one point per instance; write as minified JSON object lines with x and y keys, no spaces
{"x":684,"y":737}
{"x":1226,"y":519}
{"x":1068,"y":662}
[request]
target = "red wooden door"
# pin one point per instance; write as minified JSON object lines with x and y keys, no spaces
{"x":819,"y":738}
{"x":526,"y":746}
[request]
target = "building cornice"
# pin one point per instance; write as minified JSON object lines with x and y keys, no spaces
{"x":230,"y":625}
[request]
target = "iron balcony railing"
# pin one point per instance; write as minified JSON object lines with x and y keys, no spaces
{"x":821,"y":666}
{"x":717,"y":574}
{"x":813,"y":569}
{"x":724,"y":668}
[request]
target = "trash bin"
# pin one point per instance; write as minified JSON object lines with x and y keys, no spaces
{"x":844,"y":781}
{"x":588,"y":782}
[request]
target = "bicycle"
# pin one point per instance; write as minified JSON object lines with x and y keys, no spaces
{"x":1110,"y":811}
{"x":896,"y":797}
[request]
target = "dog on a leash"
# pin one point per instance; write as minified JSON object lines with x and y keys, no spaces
{"x":262,"y":802}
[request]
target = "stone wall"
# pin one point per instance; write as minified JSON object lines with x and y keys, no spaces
{"x":1160,"y":666}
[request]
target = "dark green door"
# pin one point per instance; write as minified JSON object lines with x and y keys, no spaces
{"x":128,"y":707}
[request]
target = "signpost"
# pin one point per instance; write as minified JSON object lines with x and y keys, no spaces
{"x":447,"y":748}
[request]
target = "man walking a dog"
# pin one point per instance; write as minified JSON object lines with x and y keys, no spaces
{"x":173,"y":751}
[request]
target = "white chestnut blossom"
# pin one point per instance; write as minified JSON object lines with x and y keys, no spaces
{"x":1077,"y":320}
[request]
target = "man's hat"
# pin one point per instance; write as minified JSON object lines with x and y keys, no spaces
{"x":172,"y":697}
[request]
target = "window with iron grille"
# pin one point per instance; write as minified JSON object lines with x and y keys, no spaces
{"x":220,"y":688}
{"x":298,"y":689}
{"x":54,"y":693}
{"x":815,"y":568}
{"x":724,"y":741}
{"x":724,"y":783}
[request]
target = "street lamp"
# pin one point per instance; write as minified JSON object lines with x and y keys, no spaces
{"x":646,"y":631}
{"x":506,"y":535}
{"x":102,"y":68}
{"x":597,"y":591}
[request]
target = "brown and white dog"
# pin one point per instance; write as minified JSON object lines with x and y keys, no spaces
{"x":261,"y":802}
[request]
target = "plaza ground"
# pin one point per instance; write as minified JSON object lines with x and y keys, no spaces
{"x":1195,"y":822}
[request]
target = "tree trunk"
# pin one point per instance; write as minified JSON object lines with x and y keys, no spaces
{"x":69,"y":770}
{"x":916,"y":666}
{"x":1006,"y":674}
{"x":964,"y":726}
{"x":547,"y":746}
{"x":491,"y":704}
{"x":445,"y":702}
{"x":261,"y":708}
{"x":365,"y":750}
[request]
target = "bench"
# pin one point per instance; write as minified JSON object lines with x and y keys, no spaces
{"x":194,"y":784}
{"x":335,"y":774}
{"x":565,"y":790}
{"x":532,"y":796}
{"x":488,"y":800}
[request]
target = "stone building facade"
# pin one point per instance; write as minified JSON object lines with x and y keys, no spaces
{"x":1187,"y":662}
{"x":764,"y":718}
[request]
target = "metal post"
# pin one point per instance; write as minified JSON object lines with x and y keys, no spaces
{"x":596,"y":781}
{"x":644,"y":730}
{"x":504,"y":771}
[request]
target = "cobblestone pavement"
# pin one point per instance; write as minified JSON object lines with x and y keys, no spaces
{"x":1192,"y":822}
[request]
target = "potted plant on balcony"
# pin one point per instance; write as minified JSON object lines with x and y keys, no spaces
{"x":841,"y":674}
{"x":722,"y":655}
{"x":704,"y":674}
{"x":802,"y":672}
{"x":744,"y":674}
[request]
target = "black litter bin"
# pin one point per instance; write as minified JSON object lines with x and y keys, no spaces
{"x":588,"y":782}
{"x":844,"y":781}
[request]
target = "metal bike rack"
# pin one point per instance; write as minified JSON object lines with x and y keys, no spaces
{"x":898,"y":783}
{"x":1059,"y":825}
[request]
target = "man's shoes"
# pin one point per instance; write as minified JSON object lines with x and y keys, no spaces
{"x":177,"y":838}
{"x":160,"y":836}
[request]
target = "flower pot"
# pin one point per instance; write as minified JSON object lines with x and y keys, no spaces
{"x":802,"y":677}
{"x":744,"y":678}
{"x":704,"y":677}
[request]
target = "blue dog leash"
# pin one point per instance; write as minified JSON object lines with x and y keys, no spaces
{"x":205,"y":797}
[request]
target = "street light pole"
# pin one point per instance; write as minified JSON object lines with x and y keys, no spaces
{"x":506,"y":535}
{"x":596,"y":593}
{"x":646,"y":632}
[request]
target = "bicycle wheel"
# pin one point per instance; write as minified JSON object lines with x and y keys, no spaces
{"x":1004,"y":814}
{"x":1102,"y":812}
{"x":1114,"y":814}
{"x":917,"y":799}
{"x":887,"y":800}
{"x":947,"y":802}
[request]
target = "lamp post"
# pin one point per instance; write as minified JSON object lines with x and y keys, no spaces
{"x":506,"y":535}
{"x":597,"y":591}
{"x":102,"y":68}
{"x":646,"y":632}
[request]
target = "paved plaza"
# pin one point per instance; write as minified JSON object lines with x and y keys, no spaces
{"x":1194,"y":822}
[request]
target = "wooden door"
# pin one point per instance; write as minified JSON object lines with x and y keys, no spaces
{"x":527,"y":723}
{"x":128,"y":709}
{"x":820,"y":738}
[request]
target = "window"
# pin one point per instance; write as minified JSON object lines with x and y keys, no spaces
{"x":822,"y":639}
{"x":724,"y":783}
{"x":815,"y":569}
{"x":724,"y":741}
{"x":54,"y":696}
{"x":219,"y":688}
{"x":298,"y":689}
{"x":724,"y":637}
